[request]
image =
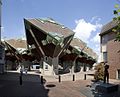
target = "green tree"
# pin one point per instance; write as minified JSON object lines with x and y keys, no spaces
{"x":117,"y":19}
{"x":99,"y":73}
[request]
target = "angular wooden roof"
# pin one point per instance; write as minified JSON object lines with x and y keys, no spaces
{"x":49,"y":37}
{"x":78,"y":43}
{"x":17,"y":43}
{"x":82,"y":46}
{"x":12,"y":51}
{"x":49,"y":25}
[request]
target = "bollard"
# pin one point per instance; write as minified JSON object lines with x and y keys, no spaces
{"x":20,"y":80}
{"x":41,"y":79}
{"x":84,"y":76}
{"x":59,"y":78}
{"x":73,"y":77}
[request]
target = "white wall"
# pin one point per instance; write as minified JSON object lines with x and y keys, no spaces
{"x":104,"y":48}
{"x":50,"y":65}
{"x":47,"y":69}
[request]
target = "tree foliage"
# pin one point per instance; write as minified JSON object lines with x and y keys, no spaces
{"x":99,"y":74}
{"x":117,"y":19}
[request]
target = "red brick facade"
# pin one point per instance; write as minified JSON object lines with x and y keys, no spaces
{"x":110,"y":49}
{"x":113,"y":57}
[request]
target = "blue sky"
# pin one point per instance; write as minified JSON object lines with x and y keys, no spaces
{"x":85,"y":17}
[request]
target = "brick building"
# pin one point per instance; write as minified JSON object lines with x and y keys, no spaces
{"x":110,"y":49}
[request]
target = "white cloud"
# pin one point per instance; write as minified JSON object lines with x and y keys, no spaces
{"x":97,"y":48}
{"x":95,"y":19}
{"x":96,"y":42}
{"x":86,"y":32}
{"x":96,"y":38}
{"x":84,"y":29}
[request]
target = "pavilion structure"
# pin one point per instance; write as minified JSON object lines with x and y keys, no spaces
{"x":78,"y":57}
{"x":12,"y":57}
{"x":17,"y":55}
{"x":47,"y":40}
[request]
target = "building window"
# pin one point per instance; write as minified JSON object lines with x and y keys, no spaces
{"x":104,"y":39}
{"x":105,"y":56}
{"x":118,"y":74}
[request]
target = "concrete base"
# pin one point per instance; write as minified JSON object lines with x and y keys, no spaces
{"x":106,"y":88}
{"x":47,"y":69}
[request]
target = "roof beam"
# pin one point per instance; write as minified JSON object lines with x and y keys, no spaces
{"x":68,"y":42}
{"x":39,"y":47}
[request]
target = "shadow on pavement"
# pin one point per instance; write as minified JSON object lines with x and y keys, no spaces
{"x":31,"y":86}
{"x":50,"y":85}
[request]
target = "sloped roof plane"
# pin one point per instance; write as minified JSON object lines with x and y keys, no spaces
{"x":49,"y":37}
{"x":107,"y":27}
{"x":17,"y":43}
{"x":82,"y":46}
{"x":49,"y":25}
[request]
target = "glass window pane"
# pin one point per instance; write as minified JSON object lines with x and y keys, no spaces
{"x":105,"y":56}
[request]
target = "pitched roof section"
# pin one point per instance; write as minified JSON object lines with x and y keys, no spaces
{"x":82,"y":46}
{"x":17,"y":43}
{"x":108,"y":26}
{"x":13,"y":51}
{"x":47,"y":34}
{"x":51,"y":26}
{"x":78,"y":43}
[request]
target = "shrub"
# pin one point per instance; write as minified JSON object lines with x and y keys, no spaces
{"x":99,"y":73}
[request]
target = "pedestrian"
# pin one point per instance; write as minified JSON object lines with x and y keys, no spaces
{"x":106,"y":73}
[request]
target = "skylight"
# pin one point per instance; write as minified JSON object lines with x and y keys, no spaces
{"x":55,"y":38}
